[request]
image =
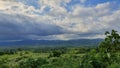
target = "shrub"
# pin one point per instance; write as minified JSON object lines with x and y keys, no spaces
{"x":55,"y":53}
{"x":32,"y":63}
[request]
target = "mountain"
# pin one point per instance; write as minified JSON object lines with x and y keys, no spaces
{"x":79,"y":42}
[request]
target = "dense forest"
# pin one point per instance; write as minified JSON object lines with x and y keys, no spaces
{"x":105,"y":55}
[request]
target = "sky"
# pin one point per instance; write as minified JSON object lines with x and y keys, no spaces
{"x":57,"y":19}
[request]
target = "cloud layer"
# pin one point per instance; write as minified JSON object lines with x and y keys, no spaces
{"x":56,"y":19}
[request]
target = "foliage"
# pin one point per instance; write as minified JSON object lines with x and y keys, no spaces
{"x":55,"y":54}
{"x":106,"y":55}
{"x":111,"y":42}
{"x":32,"y":63}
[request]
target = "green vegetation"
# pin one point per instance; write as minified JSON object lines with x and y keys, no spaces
{"x":106,"y":55}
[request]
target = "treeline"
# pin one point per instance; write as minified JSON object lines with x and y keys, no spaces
{"x":45,"y":50}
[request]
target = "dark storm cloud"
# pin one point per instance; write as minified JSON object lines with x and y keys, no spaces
{"x":18,"y":26}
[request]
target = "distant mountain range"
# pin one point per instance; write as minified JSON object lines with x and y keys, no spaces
{"x":79,"y":42}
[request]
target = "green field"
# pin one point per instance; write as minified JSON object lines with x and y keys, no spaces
{"x":62,"y":57}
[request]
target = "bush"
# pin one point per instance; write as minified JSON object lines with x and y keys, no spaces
{"x":55,"y":54}
{"x":32,"y":63}
{"x":90,"y":61}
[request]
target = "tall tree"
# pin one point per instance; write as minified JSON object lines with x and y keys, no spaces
{"x":111,"y":42}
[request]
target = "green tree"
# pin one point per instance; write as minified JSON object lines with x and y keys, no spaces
{"x":111,"y":42}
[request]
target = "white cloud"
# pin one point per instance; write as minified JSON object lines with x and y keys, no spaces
{"x":82,"y":1}
{"x":14,"y":7}
{"x":55,"y":6}
{"x":81,"y":20}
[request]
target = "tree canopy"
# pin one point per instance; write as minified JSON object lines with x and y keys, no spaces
{"x":111,"y":42}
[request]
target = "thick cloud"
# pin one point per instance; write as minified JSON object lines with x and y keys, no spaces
{"x":53,"y":20}
{"x":21,"y":26}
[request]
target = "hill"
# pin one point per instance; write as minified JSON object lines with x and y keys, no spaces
{"x":79,"y":42}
